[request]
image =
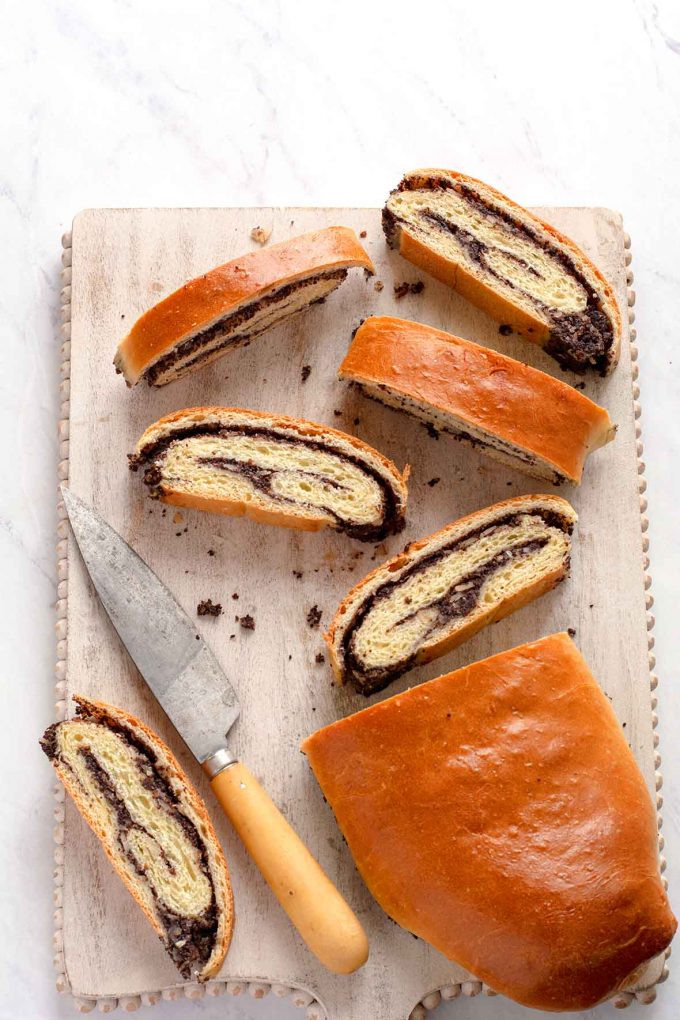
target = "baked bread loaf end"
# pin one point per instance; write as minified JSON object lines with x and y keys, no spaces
{"x":499,"y":814}
{"x":154,"y":828}
{"x":513,"y":265}
{"x":276,"y":470}
{"x":229,"y":306}
{"x":442,"y":590}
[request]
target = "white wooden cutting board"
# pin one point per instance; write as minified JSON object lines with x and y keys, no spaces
{"x":123,"y":261}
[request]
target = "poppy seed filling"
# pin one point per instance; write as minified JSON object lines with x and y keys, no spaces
{"x":578,"y":339}
{"x":189,"y":939}
{"x":459,"y":599}
{"x":262,"y":478}
{"x":232,"y":329}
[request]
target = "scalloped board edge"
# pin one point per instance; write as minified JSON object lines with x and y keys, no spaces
{"x":254,"y":986}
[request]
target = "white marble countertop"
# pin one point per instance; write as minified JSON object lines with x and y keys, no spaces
{"x":244,"y":103}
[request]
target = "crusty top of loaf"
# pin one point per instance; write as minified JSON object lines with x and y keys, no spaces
{"x":498,"y":813}
{"x":522,"y":405}
{"x":222,"y":290}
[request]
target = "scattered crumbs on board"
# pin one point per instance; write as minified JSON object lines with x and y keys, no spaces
{"x":260,"y":235}
{"x":402,"y":289}
{"x":314,"y":617}
{"x":209,"y":608}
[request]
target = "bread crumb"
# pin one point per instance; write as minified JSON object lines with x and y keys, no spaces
{"x":319,"y":657}
{"x":402,"y":289}
{"x":362,"y":233}
{"x":571,"y":631}
{"x":297,"y":574}
{"x":378,"y":285}
{"x":211,"y":552}
{"x":247,"y":622}
{"x":305,"y":373}
{"x":260,"y":235}
{"x":209,"y":608}
{"x":434,"y":481}
{"x":177,"y":518}
{"x":431,"y":430}
{"x":314,"y":617}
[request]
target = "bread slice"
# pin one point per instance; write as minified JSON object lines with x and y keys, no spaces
{"x":510,"y":263}
{"x":498,"y":813}
{"x":443,"y":589}
{"x":231,"y":305}
{"x":154,"y":828}
{"x":508,"y":411}
{"x":276,"y":470}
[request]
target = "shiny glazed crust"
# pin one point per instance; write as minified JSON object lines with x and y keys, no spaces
{"x":164,"y":428}
{"x":539,"y":870}
{"x":543,"y":583}
{"x":456,"y":276}
{"x":478,"y":388}
{"x":225,"y":289}
{"x":190,"y":799}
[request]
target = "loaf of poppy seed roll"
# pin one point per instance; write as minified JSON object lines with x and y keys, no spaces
{"x":498,"y":813}
{"x":505,"y":409}
{"x":154,"y":828}
{"x":229,"y":306}
{"x":442,"y":590}
{"x":513,"y":265}
{"x":276,"y":470}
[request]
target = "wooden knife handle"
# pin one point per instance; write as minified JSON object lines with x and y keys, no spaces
{"x":316,"y":908}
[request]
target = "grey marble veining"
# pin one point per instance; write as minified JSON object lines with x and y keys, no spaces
{"x":241,"y":103}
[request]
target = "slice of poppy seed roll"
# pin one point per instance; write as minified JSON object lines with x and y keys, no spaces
{"x":513,"y":265}
{"x":506,"y":410}
{"x":229,"y":306}
{"x":154,"y":828}
{"x":441,"y":590}
{"x":276,"y":470}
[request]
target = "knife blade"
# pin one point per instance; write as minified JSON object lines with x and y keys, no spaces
{"x":193,"y":690}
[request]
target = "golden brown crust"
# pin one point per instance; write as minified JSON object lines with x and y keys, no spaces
{"x":220,"y":872}
{"x":498,"y":813}
{"x":529,"y":326}
{"x":222,"y":290}
{"x":543,"y":584}
{"x":235,"y":508}
{"x":511,"y":401}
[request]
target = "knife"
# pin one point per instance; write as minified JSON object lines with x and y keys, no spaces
{"x":189,"y":684}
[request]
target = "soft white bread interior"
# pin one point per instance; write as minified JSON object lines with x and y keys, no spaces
{"x":276,"y":470}
{"x":515,"y":266}
{"x":154,"y":828}
{"x":443,"y":589}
